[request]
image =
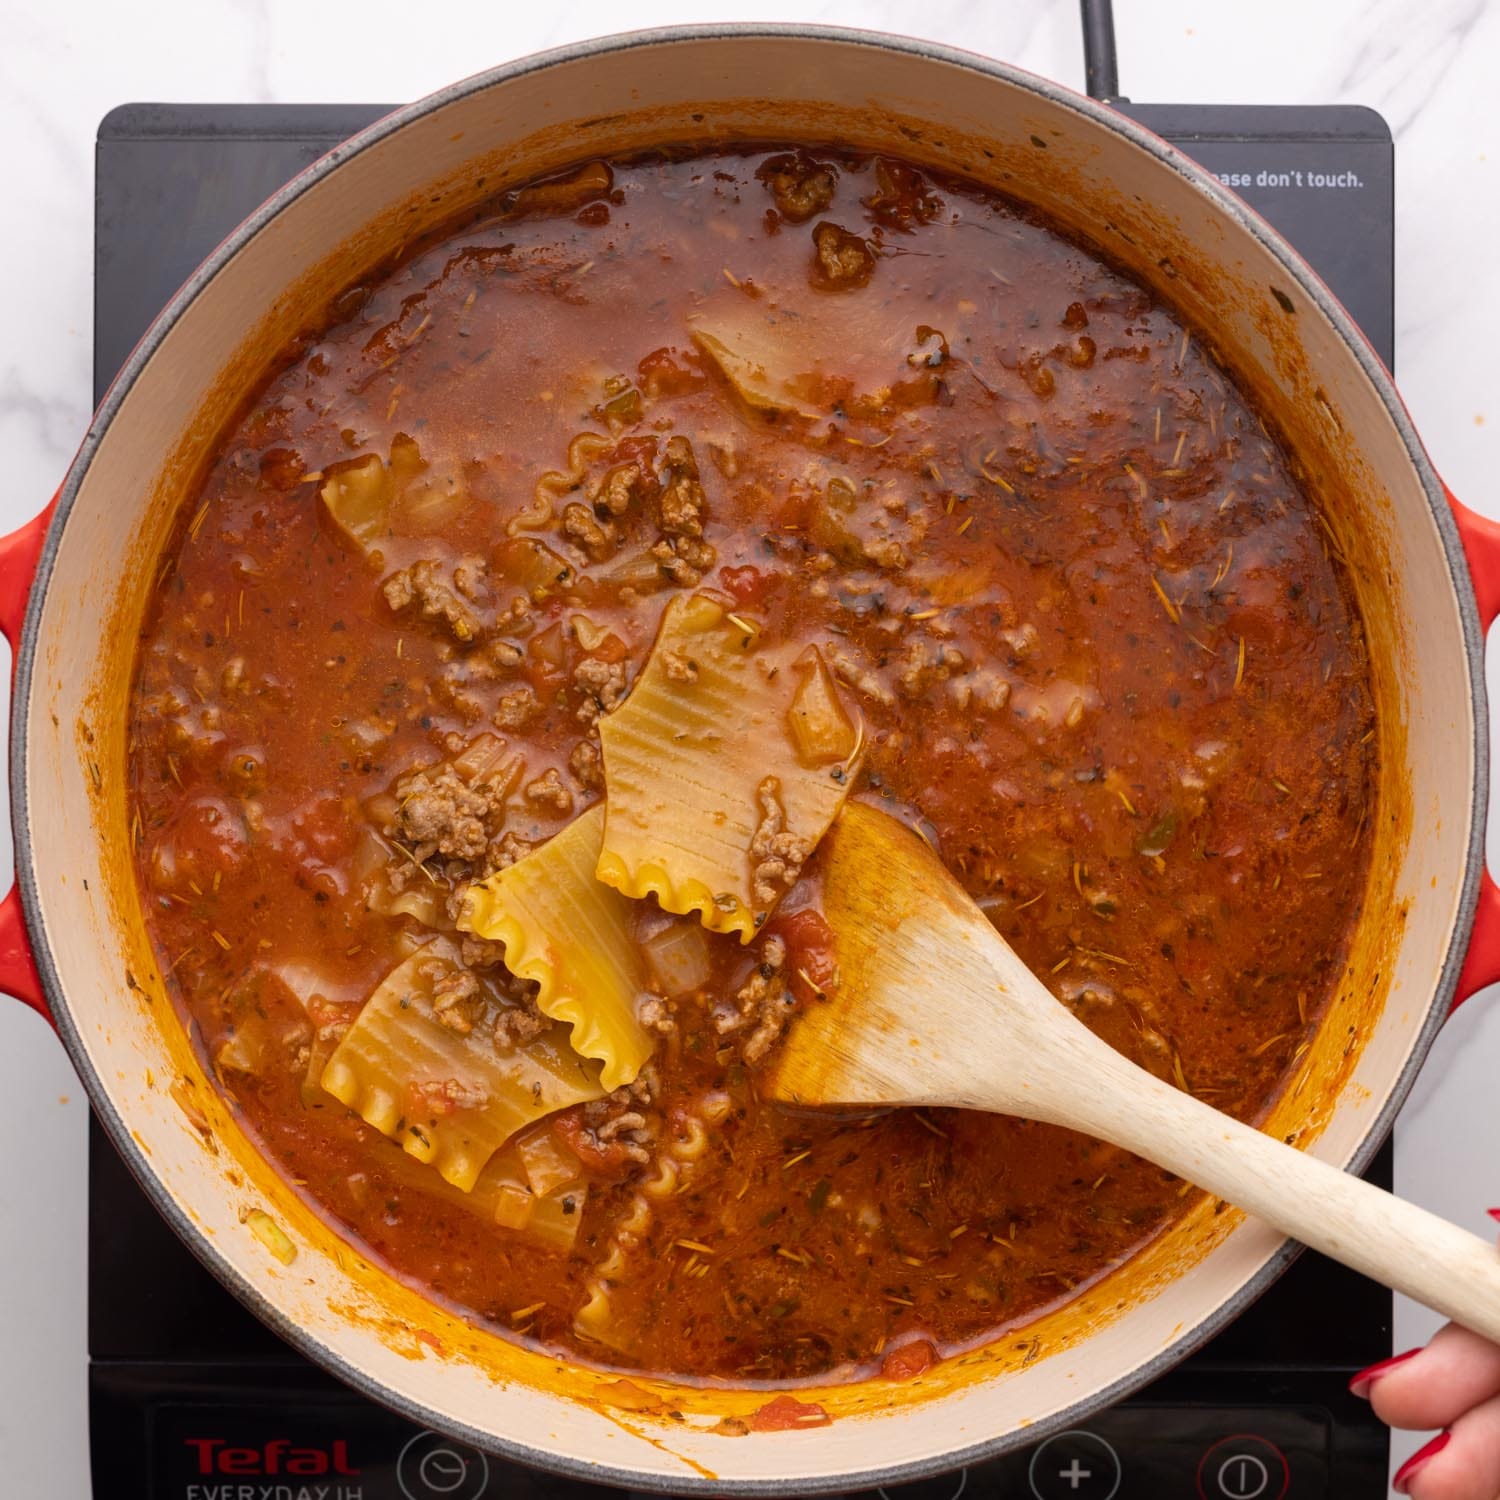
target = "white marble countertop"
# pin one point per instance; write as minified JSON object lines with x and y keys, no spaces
{"x":1429,"y":68}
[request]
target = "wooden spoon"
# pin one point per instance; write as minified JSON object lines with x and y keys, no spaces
{"x":932,"y":1007}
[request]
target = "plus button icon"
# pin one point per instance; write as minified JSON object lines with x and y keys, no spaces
{"x":1075,"y":1465}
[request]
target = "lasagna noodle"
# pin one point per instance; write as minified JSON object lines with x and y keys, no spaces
{"x":573,"y":936}
{"x":506,"y":1196}
{"x":450,"y":1100}
{"x":707,"y":726}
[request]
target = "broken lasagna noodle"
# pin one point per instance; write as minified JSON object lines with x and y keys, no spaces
{"x":539,"y":615}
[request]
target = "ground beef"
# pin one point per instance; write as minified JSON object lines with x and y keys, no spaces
{"x":763,"y":1002}
{"x":603,"y":685}
{"x":478,"y":952}
{"x":682,"y":500}
{"x":449,"y":599}
{"x":505,"y":850}
{"x":680,"y":667}
{"x":503,"y":654}
{"x":452,"y":688}
{"x":902,"y":197}
{"x":620,"y":1121}
{"x":986,"y":690}
{"x":517,"y":707}
{"x":580,"y":525}
{"x":800,"y":186}
{"x":458,"y":1001}
{"x":440,"y":813}
{"x":444,"y":1096}
{"x":776,"y":856}
{"x":655,"y":1015}
{"x":517,"y":1024}
{"x":618,"y":488}
{"x":842,"y":260}
{"x":926,"y":662}
{"x":848,"y":668}
{"x":684,"y":559}
{"x":630,"y":1121}
{"x":885,"y":552}
{"x":548,"y":790}
{"x":469,"y":578}
{"x":587,"y":764}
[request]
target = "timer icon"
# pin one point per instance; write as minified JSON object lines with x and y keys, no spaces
{"x":436,"y":1468}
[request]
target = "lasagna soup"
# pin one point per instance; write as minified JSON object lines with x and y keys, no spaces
{"x":539,"y":615}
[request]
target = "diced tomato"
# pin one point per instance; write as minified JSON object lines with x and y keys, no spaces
{"x":810,"y":958}
{"x":908,"y":1360}
{"x":640,"y":451}
{"x":787,"y":1414}
{"x":663,"y":374}
{"x":437,"y":1098}
{"x":606,"y":1159}
{"x":748,"y":585}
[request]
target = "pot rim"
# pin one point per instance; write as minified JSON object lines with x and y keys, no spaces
{"x":1059,"y":95}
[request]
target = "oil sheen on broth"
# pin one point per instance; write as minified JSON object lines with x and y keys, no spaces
{"x":1053,"y":560}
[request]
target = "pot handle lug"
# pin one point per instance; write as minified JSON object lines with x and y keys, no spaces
{"x":1481,"y":541}
{"x":19,"y":554}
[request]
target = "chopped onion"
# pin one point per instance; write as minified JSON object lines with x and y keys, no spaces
{"x":678,"y":956}
{"x":820,"y":728}
{"x":532,"y":564}
{"x":555,"y":1218}
{"x":479,"y":757}
{"x":358,"y":497}
{"x":433,"y":506}
{"x":242,"y":1052}
{"x":549,"y":1164}
{"x":311,"y":1087}
{"x":640,"y":571}
{"x":513,"y":1206}
{"x":549,"y":646}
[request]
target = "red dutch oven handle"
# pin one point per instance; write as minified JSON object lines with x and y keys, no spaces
{"x":19,"y":555}
{"x":1481,"y":539}
{"x":22,"y":549}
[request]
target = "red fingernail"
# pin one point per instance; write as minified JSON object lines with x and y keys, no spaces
{"x":1494,"y":1213}
{"x":1408,"y":1471}
{"x":1360,"y":1385}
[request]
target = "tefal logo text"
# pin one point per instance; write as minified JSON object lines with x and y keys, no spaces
{"x":278,"y":1456}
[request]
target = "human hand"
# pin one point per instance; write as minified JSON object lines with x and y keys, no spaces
{"x":1454,"y":1384}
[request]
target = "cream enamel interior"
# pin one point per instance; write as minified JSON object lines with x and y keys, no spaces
{"x":758,"y":86}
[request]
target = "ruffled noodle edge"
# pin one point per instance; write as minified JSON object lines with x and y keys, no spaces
{"x":686,"y":898}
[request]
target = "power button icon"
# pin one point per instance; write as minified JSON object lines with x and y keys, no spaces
{"x":1244,"y":1467}
{"x":436,"y":1468}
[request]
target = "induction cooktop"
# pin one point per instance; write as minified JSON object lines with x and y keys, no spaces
{"x":192,"y":1399}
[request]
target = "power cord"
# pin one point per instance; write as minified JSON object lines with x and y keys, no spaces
{"x":1101,"y":71}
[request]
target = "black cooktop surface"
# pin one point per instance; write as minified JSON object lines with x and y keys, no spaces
{"x":190,"y":1394}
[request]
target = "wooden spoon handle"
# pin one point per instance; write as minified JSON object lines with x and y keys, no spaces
{"x":1394,"y":1242}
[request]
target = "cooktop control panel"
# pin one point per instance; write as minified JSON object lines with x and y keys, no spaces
{"x":274,"y":1432}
